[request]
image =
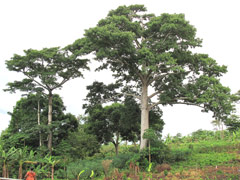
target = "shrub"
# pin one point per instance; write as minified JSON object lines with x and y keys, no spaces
{"x":74,"y":168}
{"x":120,"y":161}
{"x":162,"y":167}
{"x":179,"y":155}
{"x":106,"y":164}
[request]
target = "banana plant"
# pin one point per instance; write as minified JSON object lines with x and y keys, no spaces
{"x":21,"y":156}
{"x":6,"y":156}
{"x":92,"y":174}
{"x":50,"y":160}
{"x":80,"y":174}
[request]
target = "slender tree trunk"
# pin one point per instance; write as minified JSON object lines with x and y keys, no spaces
{"x":20,"y":171}
{"x":149,"y":153}
{"x":4,"y":174}
{"x":7,"y":172}
{"x":116,"y":148}
{"x":144,"y":115}
{"x":40,"y":134}
{"x":116,"y":145}
{"x":50,"y":97}
{"x":134,"y":143}
{"x":52,"y":172}
{"x":222,"y":132}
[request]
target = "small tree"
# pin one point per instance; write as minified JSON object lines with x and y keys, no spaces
{"x":6,"y":157}
{"x":48,"y":69}
{"x":52,"y":162}
{"x":21,"y":156}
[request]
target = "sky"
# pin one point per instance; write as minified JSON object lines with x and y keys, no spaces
{"x":38,"y":24}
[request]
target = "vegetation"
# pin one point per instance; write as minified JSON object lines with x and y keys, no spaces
{"x":202,"y":155}
{"x":45,"y":70}
{"x":120,"y":134}
{"x":147,"y":52}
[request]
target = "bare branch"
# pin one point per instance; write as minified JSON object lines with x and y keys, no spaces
{"x":137,"y":43}
{"x":165,"y":38}
{"x":154,"y":104}
{"x":128,"y":94}
{"x":180,"y":98}
{"x":135,"y":69}
{"x":45,"y":87}
{"x":60,"y":84}
{"x":157,"y":77}
{"x":188,"y":103}
{"x":162,"y":75}
{"x":154,"y":94}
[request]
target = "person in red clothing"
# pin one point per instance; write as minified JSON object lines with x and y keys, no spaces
{"x":30,"y":175}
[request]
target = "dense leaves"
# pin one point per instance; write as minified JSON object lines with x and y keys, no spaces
{"x":45,"y":70}
{"x":146,"y":51}
{"x":24,"y":129}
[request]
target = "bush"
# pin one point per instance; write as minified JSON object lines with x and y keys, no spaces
{"x":73,"y":169}
{"x":106,"y":165}
{"x":179,"y":155}
{"x":120,"y":161}
{"x":140,"y":159}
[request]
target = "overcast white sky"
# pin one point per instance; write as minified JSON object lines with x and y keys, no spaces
{"x":37,"y":24}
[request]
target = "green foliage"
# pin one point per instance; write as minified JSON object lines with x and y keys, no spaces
{"x":233,"y":123}
{"x":143,"y":50}
{"x":74,"y":168}
{"x":78,"y":145}
{"x":140,"y":159}
{"x":24,"y":129}
{"x":209,"y":159}
{"x":120,"y":161}
{"x":158,"y":150}
{"x":45,"y":70}
{"x":178,"y":155}
{"x":202,"y":135}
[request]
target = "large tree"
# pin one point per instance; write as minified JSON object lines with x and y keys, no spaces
{"x":153,"y":54}
{"x":48,"y":69}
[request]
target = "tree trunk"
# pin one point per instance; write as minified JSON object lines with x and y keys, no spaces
{"x":50,"y":97}
{"x":40,"y":134}
{"x":222,"y":132}
{"x":149,"y":153}
{"x":144,"y":115}
{"x":7,"y":172}
{"x":116,"y":148}
{"x":116,"y":143}
{"x":20,"y":171}
{"x":4,"y":171}
{"x":52,"y":172}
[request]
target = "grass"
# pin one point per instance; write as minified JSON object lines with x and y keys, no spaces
{"x":205,"y":158}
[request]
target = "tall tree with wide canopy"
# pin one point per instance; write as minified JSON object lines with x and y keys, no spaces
{"x":48,"y":69}
{"x":153,"y":54}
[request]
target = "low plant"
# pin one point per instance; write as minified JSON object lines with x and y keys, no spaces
{"x":106,"y":165}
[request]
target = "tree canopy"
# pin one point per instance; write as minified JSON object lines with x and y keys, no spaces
{"x":47,"y":69}
{"x":148,"y":52}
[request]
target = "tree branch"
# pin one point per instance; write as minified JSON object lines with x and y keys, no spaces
{"x":37,"y":82}
{"x":180,"y":98}
{"x":128,"y":94}
{"x":188,"y":103}
{"x":134,"y":69}
{"x":60,"y":84}
{"x":154,"y":104}
{"x":154,"y":94}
